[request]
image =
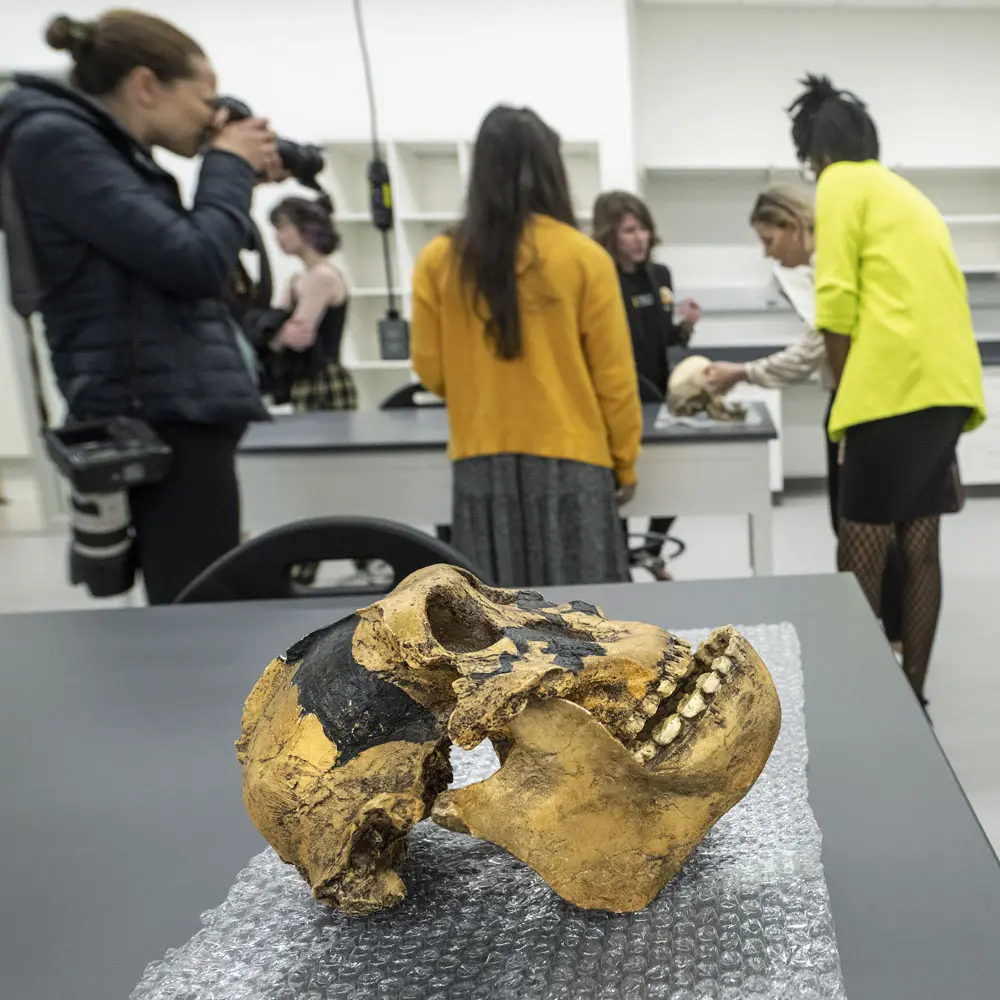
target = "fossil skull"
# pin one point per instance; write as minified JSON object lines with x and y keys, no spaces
{"x":620,"y":747}
{"x":689,"y":392}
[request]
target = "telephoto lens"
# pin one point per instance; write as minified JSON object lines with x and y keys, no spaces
{"x":303,"y":161}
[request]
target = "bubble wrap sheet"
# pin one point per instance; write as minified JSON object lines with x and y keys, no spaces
{"x":748,"y":918}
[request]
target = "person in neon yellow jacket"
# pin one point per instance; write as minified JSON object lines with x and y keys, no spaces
{"x":892,"y":304}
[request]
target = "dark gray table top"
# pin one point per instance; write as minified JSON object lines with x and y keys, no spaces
{"x":121,"y":817}
{"x":426,"y":429}
{"x":989,"y":352}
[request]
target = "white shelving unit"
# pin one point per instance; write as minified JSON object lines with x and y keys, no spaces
{"x":702,"y":215}
{"x":969,"y":199}
{"x":428,"y":179}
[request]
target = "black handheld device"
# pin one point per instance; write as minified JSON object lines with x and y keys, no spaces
{"x":104,"y":456}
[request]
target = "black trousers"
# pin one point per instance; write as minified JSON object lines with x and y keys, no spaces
{"x":191,"y":518}
{"x":892,"y":579}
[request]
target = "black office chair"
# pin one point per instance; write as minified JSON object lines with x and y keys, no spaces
{"x":648,"y":392}
{"x":261,"y":568}
{"x":409,"y":398}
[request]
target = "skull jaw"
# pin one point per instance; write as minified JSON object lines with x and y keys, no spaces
{"x":571,"y":803}
{"x":602,"y":830}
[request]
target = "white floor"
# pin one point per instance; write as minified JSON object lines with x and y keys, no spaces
{"x":964,"y":685}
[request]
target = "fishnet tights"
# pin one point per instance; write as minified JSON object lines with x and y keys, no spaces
{"x":862,"y":551}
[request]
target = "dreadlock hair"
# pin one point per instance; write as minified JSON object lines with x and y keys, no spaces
{"x":830,"y":125}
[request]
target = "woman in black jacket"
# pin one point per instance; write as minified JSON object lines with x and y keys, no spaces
{"x":135,"y":285}
{"x":623,"y":225}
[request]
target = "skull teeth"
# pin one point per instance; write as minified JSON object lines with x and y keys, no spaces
{"x":650,"y":704}
{"x":645,"y":753}
{"x":668,"y":730}
{"x":735,"y":652}
{"x":692,"y":705}
{"x":666,"y":688}
{"x":722,"y":665}
{"x":634,"y":725}
{"x":709,"y":683}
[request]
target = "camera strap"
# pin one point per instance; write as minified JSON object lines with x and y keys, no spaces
{"x":134,"y":322}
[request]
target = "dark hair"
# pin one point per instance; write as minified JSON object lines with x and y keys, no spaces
{"x":105,"y":51}
{"x":313,"y":218}
{"x":830,"y":125}
{"x":609,"y":210}
{"x":517,"y":172}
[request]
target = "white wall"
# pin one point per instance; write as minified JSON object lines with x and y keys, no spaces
{"x":438,"y":64}
{"x":713,"y":81}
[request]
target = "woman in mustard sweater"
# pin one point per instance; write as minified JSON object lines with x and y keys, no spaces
{"x":892,"y":305}
{"x":518,"y":322}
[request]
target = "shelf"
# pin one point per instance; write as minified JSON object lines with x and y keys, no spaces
{"x":375,"y":292}
{"x":972,"y":220}
{"x":427,"y":178}
{"x":430,"y":216}
{"x":981,"y":269}
{"x":791,"y":171}
{"x":378,"y":366}
{"x":346,"y":178}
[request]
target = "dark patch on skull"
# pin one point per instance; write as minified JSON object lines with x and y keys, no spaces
{"x":565,"y":644}
{"x":531,"y":600}
{"x":356,"y":708}
{"x":585,"y":608}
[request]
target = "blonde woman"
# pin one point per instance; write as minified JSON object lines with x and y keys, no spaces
{"x":782,"y":218}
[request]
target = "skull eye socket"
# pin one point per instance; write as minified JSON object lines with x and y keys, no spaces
{"x":459,"y":626}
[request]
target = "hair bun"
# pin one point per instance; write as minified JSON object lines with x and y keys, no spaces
{"x":64,"y":34}
{"x":325,"y":202}
{"x":820,"y":86}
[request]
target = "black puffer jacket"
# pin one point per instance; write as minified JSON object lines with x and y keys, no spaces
{"x":111,"y":239}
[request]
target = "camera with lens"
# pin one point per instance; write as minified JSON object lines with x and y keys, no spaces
{"x":302,"y":160}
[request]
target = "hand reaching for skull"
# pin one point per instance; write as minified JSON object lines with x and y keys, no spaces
{"x":723,"y":376}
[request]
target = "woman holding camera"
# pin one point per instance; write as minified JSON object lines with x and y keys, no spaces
{"x":135,"y":285}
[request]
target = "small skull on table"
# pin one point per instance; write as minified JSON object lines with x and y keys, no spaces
{"x":690,"y":393}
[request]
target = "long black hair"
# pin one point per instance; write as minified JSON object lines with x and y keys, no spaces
{"x":517,"y":172}
{"x":831,"y":125}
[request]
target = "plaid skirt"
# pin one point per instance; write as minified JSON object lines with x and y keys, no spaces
{"x":330,"y":388}
{"x":528,"y":521}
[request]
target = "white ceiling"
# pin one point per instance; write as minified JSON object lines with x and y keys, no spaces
{"x":979,"y":4}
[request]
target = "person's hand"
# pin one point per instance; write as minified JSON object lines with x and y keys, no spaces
{"x":690,"y":312}
{"x":252,"y":139}
{"x":625,"y":494}
{"x":274,"y":171}
{"x":723,"y":375}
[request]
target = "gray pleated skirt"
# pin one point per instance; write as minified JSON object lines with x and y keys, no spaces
{"x":526,"y":521}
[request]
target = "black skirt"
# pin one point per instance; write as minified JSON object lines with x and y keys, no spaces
{"x":903,"y":468}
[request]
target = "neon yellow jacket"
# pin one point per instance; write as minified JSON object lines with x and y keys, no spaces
{"x":887,"y":277}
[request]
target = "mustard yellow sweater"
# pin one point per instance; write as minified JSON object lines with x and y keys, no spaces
{"x":572,"y":393}
{"x":887,"y":277}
